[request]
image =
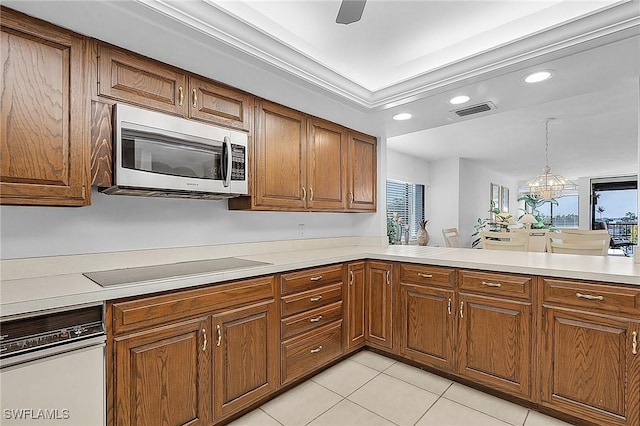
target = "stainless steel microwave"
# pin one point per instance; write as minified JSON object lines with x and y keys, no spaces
{"x":161,"y":155}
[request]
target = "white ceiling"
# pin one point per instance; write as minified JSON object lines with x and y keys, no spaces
{"x":411,"y":56}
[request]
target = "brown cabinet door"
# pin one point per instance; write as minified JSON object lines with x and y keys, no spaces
{"x":220,"y":105}
{"x":245,"y":356}
{"x":45,"y":109}
{"x":125,"y":76}
{"x":355,"y":306}
{"x":327,"y":165}
{"x":495,"y":342}
{"x":362,"y":166}
{"x":164,"y":376}
{"x":589,"y":369}
{"x":280,"y":158}
{"x":378,"y":293}
{"x":426,"y":318}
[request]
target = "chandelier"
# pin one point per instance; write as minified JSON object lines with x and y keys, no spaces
{"x":548,"y":185}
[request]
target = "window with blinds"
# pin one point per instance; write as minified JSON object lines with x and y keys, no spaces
{"x":406,"y":199}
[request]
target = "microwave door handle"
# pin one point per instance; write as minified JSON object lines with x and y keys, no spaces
{"x":229,"y":158}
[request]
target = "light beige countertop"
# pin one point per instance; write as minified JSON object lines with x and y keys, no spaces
{"x":40,"y":284}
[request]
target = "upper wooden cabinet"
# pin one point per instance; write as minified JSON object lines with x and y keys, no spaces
{"x":132,"y":78}
{"x":279,"y":157}
{"x":326,"y":165}
{"x":305,"y":163}
{"x":45,"y":110}
{"x":362,"y":168}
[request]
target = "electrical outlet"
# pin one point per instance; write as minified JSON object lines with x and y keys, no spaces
{"x":301,"y":230}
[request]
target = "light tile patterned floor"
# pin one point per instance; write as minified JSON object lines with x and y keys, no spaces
{"x":369,"y":389}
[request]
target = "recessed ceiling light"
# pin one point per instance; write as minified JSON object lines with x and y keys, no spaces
{"x":402,"y":116}
{"x":537,"y":77}
{"x":457,"y":100}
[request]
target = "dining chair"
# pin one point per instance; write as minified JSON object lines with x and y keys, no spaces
{"x":574,"y":241}
{"x":510,"y":241}
{"x":451,"y":237}
{"x":537,"y":239}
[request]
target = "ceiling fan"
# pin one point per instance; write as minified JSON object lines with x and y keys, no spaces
{"x":350,"y":11}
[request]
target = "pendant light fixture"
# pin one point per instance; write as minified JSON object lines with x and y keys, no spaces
{"x":548,"y":185}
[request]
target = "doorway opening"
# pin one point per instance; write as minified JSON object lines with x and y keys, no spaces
{"x":614,"y":207}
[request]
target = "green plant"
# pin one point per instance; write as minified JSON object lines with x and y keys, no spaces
{"x":391,"y":229}
{"x":531,"y":205}
{"x":500,"y":221}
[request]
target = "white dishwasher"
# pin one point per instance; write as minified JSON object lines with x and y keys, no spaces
{"x":52,"y":369}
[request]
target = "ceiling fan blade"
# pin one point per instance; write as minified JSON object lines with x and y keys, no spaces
{"x":350,"y":11}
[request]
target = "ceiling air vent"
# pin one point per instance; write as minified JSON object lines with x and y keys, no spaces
{"x":475,"y":109}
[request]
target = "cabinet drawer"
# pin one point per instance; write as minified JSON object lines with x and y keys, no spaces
{"x":310,"y":299}
{"x":308,"y":352}
{"x":148,"y":311}
{"x":309,"y":320}
{"x":428,"y":275}
{"x":591,"y":295}
{"x":510,"y":285}
{"x":310,"y":278}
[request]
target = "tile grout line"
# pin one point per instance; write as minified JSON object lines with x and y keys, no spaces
{"x":271,"y":417}
{"x":481,"y":412}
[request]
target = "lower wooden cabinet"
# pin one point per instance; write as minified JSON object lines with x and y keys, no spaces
{"x":245,"y":356}
{"x":163,"y":376}
{"x":589,"y":367}
{"x":495,"y":338}
{"x":355,"y":305}
{"x":426,"y":318}
{"x":193,"y":357}
{"x":378,"y":301}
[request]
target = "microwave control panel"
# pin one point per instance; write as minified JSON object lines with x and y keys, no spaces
{"x":238,"y":162}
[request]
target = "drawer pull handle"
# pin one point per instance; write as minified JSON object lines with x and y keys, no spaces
{"x":350,"y":277}
{"x":180,"y":96}
{"x":316,"y":319}
{"x":316,"y":298}
{"x":449,"y":306}
{"x":304,"y":193}
{"x":316,"y":350}
{"x":461,"y":309}
{"x":311,"y":193}
{"x":219,"y":333}
{"x":634,"y":344}
{"x":425,"y":275}
{"x":318,"y":278}
{"x":204,"y":345}
{"x":194,"y":93}
{"x":589,"y":296}
{"x":489,"y":284}
{"x":388,"y":277}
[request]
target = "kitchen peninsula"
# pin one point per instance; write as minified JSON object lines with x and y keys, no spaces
{"x":447,"y":310}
